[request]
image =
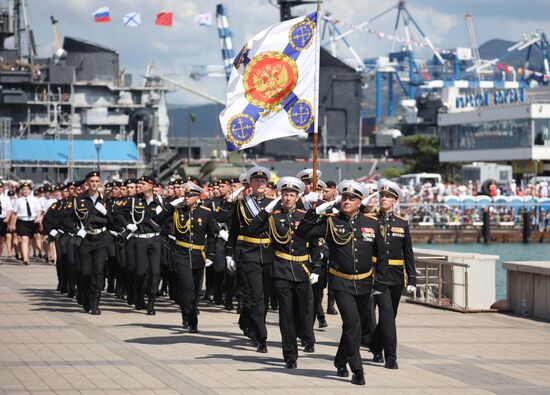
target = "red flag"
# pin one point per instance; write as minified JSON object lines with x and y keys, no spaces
{"x":164,"y":19}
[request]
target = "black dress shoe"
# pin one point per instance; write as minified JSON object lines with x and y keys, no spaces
{"x":141,"y":305}
{"x":391,"y":365}
{"x":228,"y":307}
{"x":310,"y":347}
{"x":262,"y":347}
{"x":96,"y":311}
{"x":184,"y":324}
{"x":358,"y":378}
{"x":378,"y":358}
{"x":332,"y":311}
{"x":151,"y":311}
{"x":193,"y":329}
{"x":291,"y":364}
{"x":322,"y":323}
{"x":342,"y":372}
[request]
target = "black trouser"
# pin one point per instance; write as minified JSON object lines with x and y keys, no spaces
{"x":72,"y":253}
{"x":253,"y":313}
{"x":368,"y":327}
{"x":295,"y":306}
{"x":93,"y":253}
{"x":189,"y":284}
{"x":121,"y":280}
{"x":111,"y":267}
{"x":317,"y":289}
{"x":61,"y":266}
{"x":131,"y":269}
{"x":147,"y":253}
{"x":352,"y":310}
{"x":385,"y":334}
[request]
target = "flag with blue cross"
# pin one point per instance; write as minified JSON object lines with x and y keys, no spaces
{"x":271,"y":92}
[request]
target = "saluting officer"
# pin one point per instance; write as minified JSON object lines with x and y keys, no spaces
{"x":142,"y":207}
{"x":253,"y":256}
{"x":292,"y":270}
{"x":193,"y":223}
{"x":353,"y":240}
{"x":92,"y":219}
{"x":401,"y":273}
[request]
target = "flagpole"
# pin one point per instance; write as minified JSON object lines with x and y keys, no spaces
{"x":316,"y":125}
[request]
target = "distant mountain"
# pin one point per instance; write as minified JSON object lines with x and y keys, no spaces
{"x":497,"y":48}
{"x":206,"y":124}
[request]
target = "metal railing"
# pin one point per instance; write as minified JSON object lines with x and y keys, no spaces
{"x":441,"y":283}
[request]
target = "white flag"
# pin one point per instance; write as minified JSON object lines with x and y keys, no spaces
{"x":272,"y":88}
{"x":204,"y":19}
{"x":133,"y":19}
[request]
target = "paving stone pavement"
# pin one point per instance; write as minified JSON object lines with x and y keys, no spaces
{"x":49,"y":345}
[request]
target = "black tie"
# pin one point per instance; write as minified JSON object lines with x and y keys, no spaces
{"x":29,"y":213}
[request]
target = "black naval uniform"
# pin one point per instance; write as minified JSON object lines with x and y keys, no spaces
{"x":192,"y":226}
{"x":147,"y":247}
{"x":94,"y":248}
{"x":117,"y":229}
{"x":68,"y":244}
{"x":401,"y":272}
{"x":50,"y":222}
{"x":254,"y":255}
{"x":352,"y":242}
{"x":223,"y":212}
{"x":291,"y":277}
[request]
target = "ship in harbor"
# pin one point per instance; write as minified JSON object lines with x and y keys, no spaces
{"x":62,"y":115}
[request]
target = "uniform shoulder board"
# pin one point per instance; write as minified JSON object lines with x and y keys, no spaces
{"x":206,"y":208}
{"x":329,"y":215}
{"x":371,"y":215}
{"x":400,"y":217}
{"x":276,"y":212}
{"x":300,"y":210}
{"x":53,"y":206}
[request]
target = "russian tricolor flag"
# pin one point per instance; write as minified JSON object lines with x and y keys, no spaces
{"x":102,"y":15}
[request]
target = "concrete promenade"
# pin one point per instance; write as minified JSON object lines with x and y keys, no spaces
{"x":49,"y":345}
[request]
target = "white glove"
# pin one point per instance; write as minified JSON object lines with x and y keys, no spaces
{"x":224,"y":234}
{"x":81,"y":233}
{"x":236,"y":194}
{"x":230,"y":264}
{"x":53,"y":233}
{"x":208,"y":263}
{"x":338,"y":198}
{"x":312,"y":197}
{"x":411,"y":289}
{"x":269,"y":208}
{"x":365,"y":202}
{"x":325,"y":207}
{"x":313,"y":278}
{"x":101,"y":208}
{"x":158,"y":210}
{"x":177,"y":202}
{"x":131,"y":227}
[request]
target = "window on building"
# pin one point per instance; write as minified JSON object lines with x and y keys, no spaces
{"x":542,"y":132}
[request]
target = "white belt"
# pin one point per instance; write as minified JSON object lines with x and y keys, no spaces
{"x":26,"y":220}
{"x":172,"y":237}
{"x":113,"y":233}
{"x":96,"y":231}
{"x":146,"y":235}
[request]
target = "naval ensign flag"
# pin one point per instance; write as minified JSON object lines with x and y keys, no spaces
{"x":272,"y":91}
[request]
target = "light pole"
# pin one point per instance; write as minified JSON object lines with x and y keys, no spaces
{"x":155,"y":144}
{"x":98,"y":144}
{"x":191,"y":120}
{"x":141,"y":146}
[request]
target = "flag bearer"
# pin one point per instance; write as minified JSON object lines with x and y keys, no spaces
{"x":253,"y":256}
{"x":353,"y":240}
{"x":401,"y":273}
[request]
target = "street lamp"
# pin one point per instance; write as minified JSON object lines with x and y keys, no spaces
{"x":191,"y":120}
{"x":155,"y":144}
{"x":98,"y":144}
{"x":141,"y":146}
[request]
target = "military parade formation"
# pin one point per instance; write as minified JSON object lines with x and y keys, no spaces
{"x":247,"y":244}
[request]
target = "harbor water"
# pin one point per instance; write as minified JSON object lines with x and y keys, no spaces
{"x":506,"y":252}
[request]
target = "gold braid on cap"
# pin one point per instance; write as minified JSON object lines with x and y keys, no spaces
{"x":338,"y":239}
{"x":181,"y":229}
{"x":281,"y":239}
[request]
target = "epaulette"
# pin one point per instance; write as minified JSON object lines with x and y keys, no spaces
{"x":206,"y":208}
{"x":329,"y":214}
{"x":300,"y":210}
{"x":371,"y":215}
{"x":276,"y":212}
{"x":400,"y":217}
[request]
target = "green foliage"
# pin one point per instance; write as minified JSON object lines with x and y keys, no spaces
{"x":392,"y":172}
{"x":424,"y":157}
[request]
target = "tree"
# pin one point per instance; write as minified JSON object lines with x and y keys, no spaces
{"x":424,"y":157}
{"x":392,"y":172}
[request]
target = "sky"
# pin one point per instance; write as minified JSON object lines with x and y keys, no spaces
{"x":175,"y":50}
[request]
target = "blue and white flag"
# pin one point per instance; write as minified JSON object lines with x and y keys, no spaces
{"x":273,"y":85}
{"x":133,"y":19}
